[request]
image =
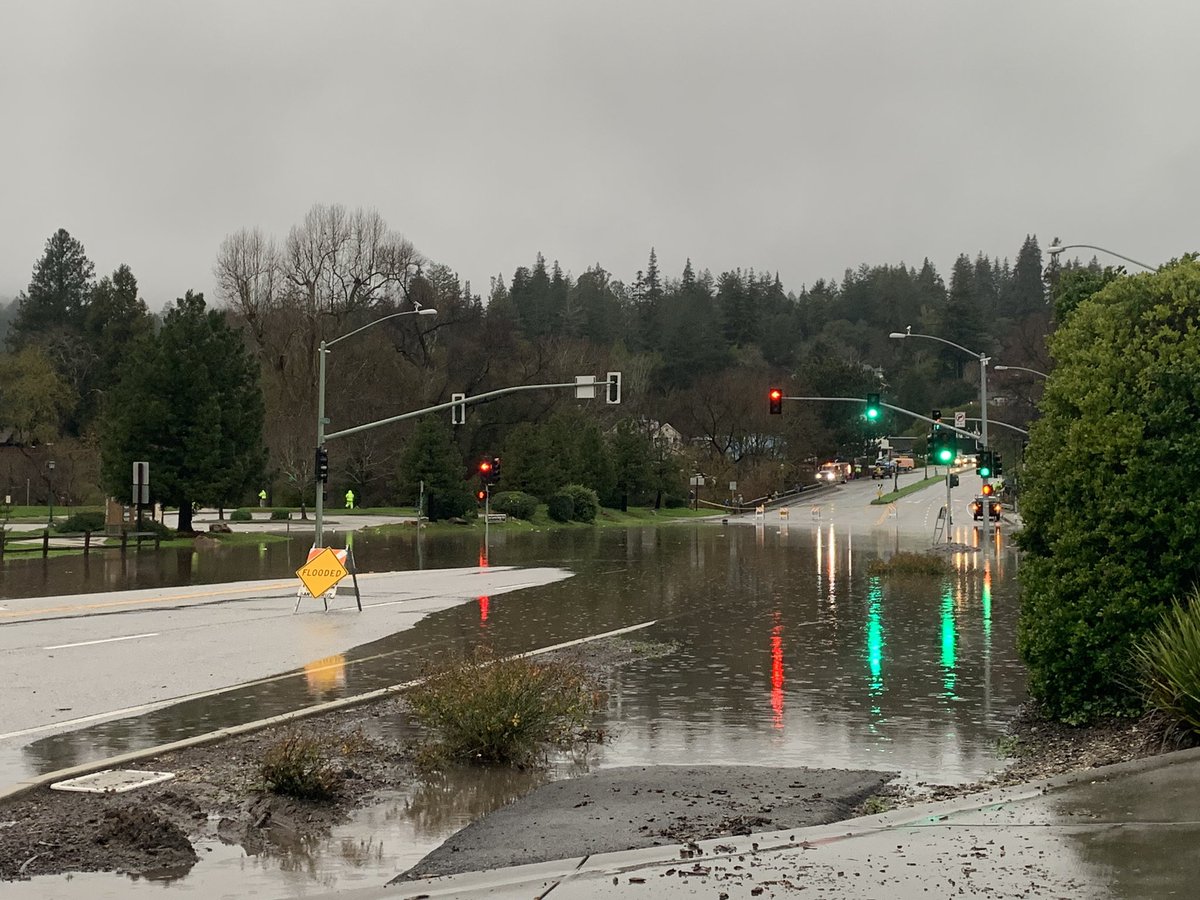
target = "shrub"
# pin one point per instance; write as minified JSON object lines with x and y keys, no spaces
{"x":241,"y":515}
{"x":1168,"y":663}
{"x":584,"y":501}
{"x":280,"y":515}
{"x":81,"y":521}
{"x":906,"y":563}
{"x":517,"y":504}
{"x":561,"y":507}
{"x":297,"y":766}
{"x":482,"y":709}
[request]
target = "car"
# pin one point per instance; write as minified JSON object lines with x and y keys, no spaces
{"x":990,"y":503}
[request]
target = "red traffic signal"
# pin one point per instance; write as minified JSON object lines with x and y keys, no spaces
{"x":988,"y":489}
{"x":481,"y":496}
{"x":775,"y":401}
{"x":485,"y":467}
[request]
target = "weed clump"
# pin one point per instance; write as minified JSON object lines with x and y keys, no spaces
{"x":298,"y":766}
{"x":485,"y":710}
{"x":1168,"y":663}
{"x":906,"y":563}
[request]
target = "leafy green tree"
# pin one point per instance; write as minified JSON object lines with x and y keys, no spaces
{"x":1112,"y":520}
{"x":35,"y":398}
{"x":431,"y":457}
{"x":188,"y":400}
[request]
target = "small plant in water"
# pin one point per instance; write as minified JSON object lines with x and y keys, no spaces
{"x":875,"y":804}
{"x":487,"y":710}
{"x":906,"y":563}
{"x":298,"y":766}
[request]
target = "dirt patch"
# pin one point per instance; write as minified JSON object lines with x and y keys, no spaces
{"x":217,"y":793}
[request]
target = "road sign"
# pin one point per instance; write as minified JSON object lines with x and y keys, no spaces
{"x":585,"y":387}
{"x":324,"y":569}
{"x":960,"y":420}
{"x":141,"y":482}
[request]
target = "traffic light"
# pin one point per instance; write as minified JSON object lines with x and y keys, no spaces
{"x":937,"y":419}
{"x":495,"y":470}
{"x":485,"y":470}
{"x":997,"y":466}
{"x":873,"y":411}
{"x":481,"y":494}
{"x":775,"y":399}
{"x":953,"y":481}
{"x":988,"y":490}
{"x":322,"y":464}
{"x":983,"y":464}
{"x":942,"y":447}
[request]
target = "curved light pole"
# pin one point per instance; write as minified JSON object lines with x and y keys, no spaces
{"x":983,"y":361}
{"x":319,"y":506}
{"x":1057,"y":248}
{"x":1019,"y":369}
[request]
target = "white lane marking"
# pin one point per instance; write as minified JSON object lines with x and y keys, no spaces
{"x":128,"y":637}
{"x":161,"y":704}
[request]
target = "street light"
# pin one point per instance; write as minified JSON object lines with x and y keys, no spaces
{"x":1019,"y":369}
{"x":319,"y":508}
{"x":983,"y":361}
{"x":1056,"y":248}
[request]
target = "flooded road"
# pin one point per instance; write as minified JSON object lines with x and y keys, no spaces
{"x":783,"y":651}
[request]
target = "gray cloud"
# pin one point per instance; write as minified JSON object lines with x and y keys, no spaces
{"x":803,"y":137}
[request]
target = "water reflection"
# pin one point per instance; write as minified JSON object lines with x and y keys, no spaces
{"x":784,"y":651}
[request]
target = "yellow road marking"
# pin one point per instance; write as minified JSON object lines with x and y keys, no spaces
{"x":108,"y":604}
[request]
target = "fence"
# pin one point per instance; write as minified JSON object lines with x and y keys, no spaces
{"x":30,"y":542}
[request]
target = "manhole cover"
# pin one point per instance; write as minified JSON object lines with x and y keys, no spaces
{"x":111,"y":781}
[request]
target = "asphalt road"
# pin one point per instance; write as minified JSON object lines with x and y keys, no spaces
{"x":77,"y":659}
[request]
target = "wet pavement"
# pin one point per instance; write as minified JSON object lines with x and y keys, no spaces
{"x":783,"y":650}
{"x":1128,"y":831}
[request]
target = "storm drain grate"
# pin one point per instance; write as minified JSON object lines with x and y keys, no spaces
{"x":111,"y":781}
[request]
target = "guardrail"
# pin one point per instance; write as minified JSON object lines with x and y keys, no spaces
{"x":30,"y":542}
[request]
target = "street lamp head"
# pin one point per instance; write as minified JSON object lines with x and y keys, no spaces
{"x":426,"y":311}
{"x":897,"y":334}
{"x":1000,"y":368}
{"x":1055,"y":248}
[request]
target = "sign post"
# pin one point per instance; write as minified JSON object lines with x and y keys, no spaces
{"x":141,"y":488}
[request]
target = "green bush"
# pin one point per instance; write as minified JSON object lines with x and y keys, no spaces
{"x":80,"y":522}
{"x":517,"y":504}
{"x":241,"y":515}
{"x":481,"y":709}
{"x":280,"y":515}
{"x":1168,"y":663}
{"x":561,"y":507}
{"x":584,"y":501}
{"x":298,"y":766}
{"x":1110,"y":521}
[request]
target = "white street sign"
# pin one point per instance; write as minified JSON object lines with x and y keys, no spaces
{"x":960,"y":420}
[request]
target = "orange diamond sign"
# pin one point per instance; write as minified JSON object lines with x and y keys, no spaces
{"x":322,"y":571}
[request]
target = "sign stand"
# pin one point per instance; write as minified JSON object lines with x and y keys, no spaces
{"x":321,"y":573}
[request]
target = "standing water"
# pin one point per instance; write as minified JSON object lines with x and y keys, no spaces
{"x":781,"y":649}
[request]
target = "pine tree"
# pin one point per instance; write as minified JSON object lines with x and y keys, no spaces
{"x":58,"y":293}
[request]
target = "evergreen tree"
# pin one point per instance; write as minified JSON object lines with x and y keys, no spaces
{"x":188,"y":400}
{"x":961,"y":322}
{"x":431,"y":457}
{"x":1027,"y":291}
{"x":58,"y":293}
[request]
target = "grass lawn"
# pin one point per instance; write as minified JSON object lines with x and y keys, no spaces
{"x":908,"y":489}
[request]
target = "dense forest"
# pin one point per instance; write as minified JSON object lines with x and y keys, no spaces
{"x":697,"y":352}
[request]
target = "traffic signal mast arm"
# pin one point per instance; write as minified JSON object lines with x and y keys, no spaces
{"x":452,"y":403}
{"x":900,"y":409}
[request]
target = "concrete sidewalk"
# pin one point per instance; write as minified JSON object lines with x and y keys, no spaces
{"x":1128,"y":830}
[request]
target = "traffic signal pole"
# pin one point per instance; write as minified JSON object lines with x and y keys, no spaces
{"x":319,"y":506}
{"x":899,"y":409}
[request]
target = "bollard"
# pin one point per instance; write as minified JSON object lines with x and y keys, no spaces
{"x":45,"y":543}
{"x":87,"y":542}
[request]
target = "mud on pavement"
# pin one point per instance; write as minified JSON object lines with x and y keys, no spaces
{"x":635,"y":807}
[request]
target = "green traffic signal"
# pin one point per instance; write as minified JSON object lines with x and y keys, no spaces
{"x":983,"y":464}
{"x":943,"y":448}
{"x":873,"y":410}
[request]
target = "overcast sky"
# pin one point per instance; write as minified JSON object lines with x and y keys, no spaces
{"x":797,"y":136}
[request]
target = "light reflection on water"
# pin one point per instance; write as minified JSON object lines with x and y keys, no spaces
{"x":784,"y":652}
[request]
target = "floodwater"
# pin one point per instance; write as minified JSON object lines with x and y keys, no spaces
{"x":783,"y":650}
